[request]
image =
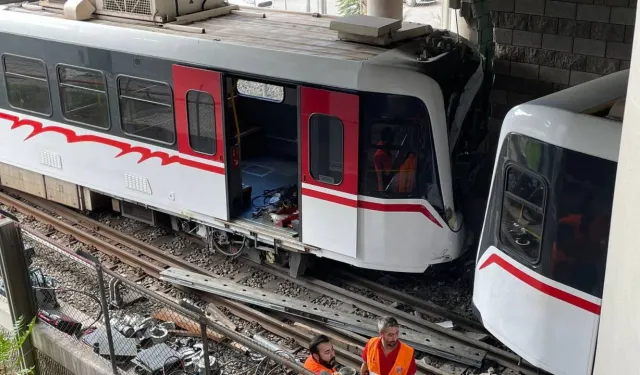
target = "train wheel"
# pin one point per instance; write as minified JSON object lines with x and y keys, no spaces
{"x":223,"y":243}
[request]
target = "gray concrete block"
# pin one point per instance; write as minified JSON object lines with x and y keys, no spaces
{"x":577,"y":78}
{"x":628,"y":36}
{"x":616,"y":3}
{"x":554,"y":75}
{"x":557,"y":42}
{"x":530,"y":7}
{"x":524,"y":70}
{"x":365,"y":25}
{"x":623,"y":16}
{"x":527,"y":39}
{"x":589,"y":47}
{"x":620,"y":51}
{"x":501,"y":5}
{"x":541,"y":24}
{"x":538,"y":56}
{"x":598,"y":13}
{"x":601,"y":65}
{"x":579,"y":29}
{"x":570,"y":61}
{"x":560,"y":9}
{"x":509,"y":52}
{"x":513,"y":21}
{"x":502,"y":36}
{"x":607,"y":31}
{"x":501,"y":66}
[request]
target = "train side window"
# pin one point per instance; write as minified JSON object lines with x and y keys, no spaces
{"x":523,"y":213}
{"x":202,"y":122}
{"x":146,"y":109}
{"x":326,"y":141}
{"x":27,"y":84}
{"x":83,"y":96}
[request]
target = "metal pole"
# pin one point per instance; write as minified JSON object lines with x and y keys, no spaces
{"x":107,"y":321}
{"x":308,"y":6}
{"x":17,"y":280}
{"x":205,"y":345}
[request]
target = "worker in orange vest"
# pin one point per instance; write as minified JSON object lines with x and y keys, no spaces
{"x":322,"y":360}
{"x":386,"y":354}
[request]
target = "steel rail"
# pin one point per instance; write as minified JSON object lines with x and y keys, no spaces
{"x":245,"y":312}
{"x":507,"y":359}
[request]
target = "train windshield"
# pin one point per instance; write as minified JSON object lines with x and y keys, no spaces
{"x":556,"y":211}
{"x":397,"y":155}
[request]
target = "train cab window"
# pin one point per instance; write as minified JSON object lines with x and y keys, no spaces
{"x":27,"y":84}
{"x":583,"y":199}
{"x":202,"y":123}
{"x":146,"y":109}
{"x":522,"y":213}
{"x":83,"y":96}
{"x":326,"y":141}
{"x":397,"y":159}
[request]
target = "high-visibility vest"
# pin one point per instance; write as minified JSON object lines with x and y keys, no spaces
{"x":313,"y":366}
{"x":400,"y":367}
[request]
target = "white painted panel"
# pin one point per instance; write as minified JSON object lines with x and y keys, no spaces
{"x":546,"y":331}
{"x":174,"y":187}
{"x":330,"y":226}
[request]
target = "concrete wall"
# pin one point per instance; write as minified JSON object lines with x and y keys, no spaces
{"x":536,"y":47}
{"x":619,"y":331}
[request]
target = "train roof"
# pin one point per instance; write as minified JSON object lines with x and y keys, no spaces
{"x":281,"y":43}
{"x":586,"y":118}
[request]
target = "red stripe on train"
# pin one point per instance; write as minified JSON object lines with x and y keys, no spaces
{"x":372,"y":205}
{"x":540,"y":286}
{"x":125,"y":148}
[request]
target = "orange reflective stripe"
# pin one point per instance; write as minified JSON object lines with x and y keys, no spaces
{"x":313,"y":366}
{"x":373,"y":361}
{"x":400,"y":366}
{"x":405,"y":356}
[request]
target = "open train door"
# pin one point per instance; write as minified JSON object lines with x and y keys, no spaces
{"x":329,"y":169}
{"x":199,"y":125}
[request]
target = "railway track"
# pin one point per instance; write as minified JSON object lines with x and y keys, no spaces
{"x":153,"y":260}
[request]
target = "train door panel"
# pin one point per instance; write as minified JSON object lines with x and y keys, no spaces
{"x":329,"y":169}
{"x":199,"y":124}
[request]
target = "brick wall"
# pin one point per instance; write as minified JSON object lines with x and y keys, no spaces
{"x":542,"y":46}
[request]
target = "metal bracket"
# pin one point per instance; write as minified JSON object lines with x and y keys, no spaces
{"x":424,"y":342}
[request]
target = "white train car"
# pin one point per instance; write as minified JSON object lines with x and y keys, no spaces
{"x":345,"y":152}
{"x":541,"y":260}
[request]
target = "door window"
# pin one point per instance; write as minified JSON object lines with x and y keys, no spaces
{"x":326,"y":141}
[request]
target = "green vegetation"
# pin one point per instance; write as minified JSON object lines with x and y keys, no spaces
{"x":350,"y":7}
{"x":10,"y":345}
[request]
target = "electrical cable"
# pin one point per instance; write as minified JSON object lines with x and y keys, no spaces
{"x":95,"y":298}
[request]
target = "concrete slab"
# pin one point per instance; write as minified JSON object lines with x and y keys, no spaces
{"x":409,"y":30}
{"x":76,"y":357}
{"x":365,"y":25}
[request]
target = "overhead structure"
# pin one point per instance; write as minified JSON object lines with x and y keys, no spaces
{"x":385,"y":8}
